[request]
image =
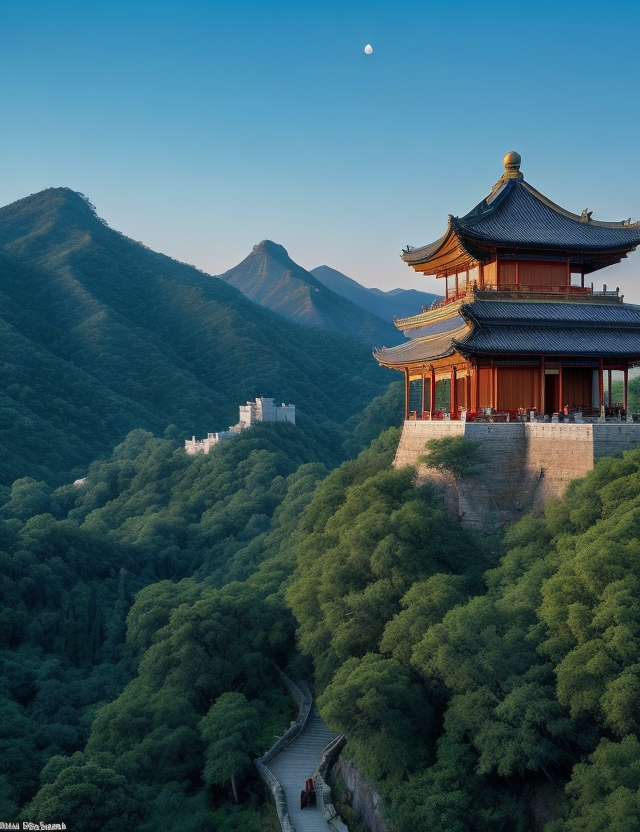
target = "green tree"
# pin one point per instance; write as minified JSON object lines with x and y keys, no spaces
{"x":85,"y":795}
{"x":456,"y":454}
{"x":231,"y":731}
{"x":605,"y":791}
{"x":383,"y":710}
{"x":28,"y":498}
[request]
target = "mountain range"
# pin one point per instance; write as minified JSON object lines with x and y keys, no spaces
{"x":399,"y":303}
{"x":99,"y":335}
{"x":268,"y":276}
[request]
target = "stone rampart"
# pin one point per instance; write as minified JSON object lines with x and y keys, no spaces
{"x":360,"y":795}
{"x":524,"y":464}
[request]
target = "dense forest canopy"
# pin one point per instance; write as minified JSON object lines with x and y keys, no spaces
{"x":211,"y":534}
{"x":153,"y":604}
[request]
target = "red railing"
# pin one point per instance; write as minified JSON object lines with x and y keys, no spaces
{"x":547,"y":290}
{"x":451,"y":299}
{"x":516,"y":288}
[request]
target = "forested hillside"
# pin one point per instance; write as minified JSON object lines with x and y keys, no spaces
{"x":99,"y":335}
{"x":506,"y":702}
{"x":166,"y":530}
{"x":144,"y":614}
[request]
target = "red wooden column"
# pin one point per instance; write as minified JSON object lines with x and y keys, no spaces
{"x":432,"y":403}
{"x":406,"y":393}
{"x":542,"y":383}
{"x":453,"y":398}
{"x":474,"y":401}
{"x":625,"y":383}
{"x":494,"y":386}
{"x":423,"y":394}
{"x":609,"y":387}
{"x":600,"y":385}
{"x":560,"y":393}
{"x":467,"y":391}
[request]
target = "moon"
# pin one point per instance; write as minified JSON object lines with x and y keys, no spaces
{"x":368,"y":49}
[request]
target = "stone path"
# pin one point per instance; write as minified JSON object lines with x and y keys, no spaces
{"x":294,"y":764}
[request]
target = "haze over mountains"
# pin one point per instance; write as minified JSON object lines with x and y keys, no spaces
{"x":99,"y":335}
{"x":400,"y":303}
{"x":271,"y":278}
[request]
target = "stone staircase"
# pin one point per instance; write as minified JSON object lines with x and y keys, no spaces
{"x":294,"y":764}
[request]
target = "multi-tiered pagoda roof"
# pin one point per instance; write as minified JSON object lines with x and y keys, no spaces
{"x":517,"y":220}
{"x":519,"y":329}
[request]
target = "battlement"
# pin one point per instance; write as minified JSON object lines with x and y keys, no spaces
{"x":261,"y":410}
{"x":264,"y":410}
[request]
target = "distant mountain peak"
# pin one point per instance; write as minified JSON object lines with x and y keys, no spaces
{"x":268,"y":276}
{"x":52,"y":204}
{"x":269,"y":247}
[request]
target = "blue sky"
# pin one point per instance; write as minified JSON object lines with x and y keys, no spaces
{"x":201,"y":128}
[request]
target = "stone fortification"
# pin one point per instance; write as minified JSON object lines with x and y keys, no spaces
{"x":524,"y":464}
{"x":261,"y":410}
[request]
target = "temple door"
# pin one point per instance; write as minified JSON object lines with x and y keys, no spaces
{"x":552,"y":393}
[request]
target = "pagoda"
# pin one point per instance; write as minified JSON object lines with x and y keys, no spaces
{"x":521,"y":333}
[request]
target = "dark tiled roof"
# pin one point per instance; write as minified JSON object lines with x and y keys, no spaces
{"x":506,"y":327}
{"x":550,"y":340}
{"x":417,"y":255}
{"x":436,"y":328}
{"x":585,"y":314}
{"x":425,"y":349}
{"x":520,"y":215}
{"x":517,"y":215}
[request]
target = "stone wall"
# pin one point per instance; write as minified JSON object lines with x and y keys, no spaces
{"x":524,"y":464}
{"x":359,"y":795}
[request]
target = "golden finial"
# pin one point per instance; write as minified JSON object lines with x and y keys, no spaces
{"x":512,"y":165}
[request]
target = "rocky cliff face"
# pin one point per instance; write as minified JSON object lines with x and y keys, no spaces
{"x":357,"y":793}
{"x":523,"y":466}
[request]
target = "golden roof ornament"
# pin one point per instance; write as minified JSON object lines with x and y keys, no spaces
{"x":512,"y":162}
